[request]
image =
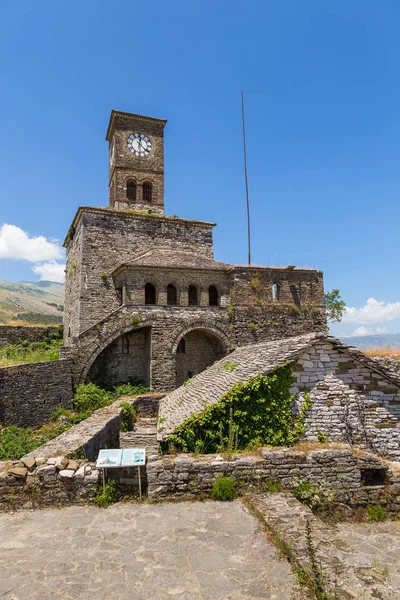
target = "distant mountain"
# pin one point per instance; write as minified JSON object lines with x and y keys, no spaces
{"x":31,"y":303}
{"x":366,"y":342}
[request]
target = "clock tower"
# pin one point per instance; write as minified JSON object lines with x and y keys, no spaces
{"x":136,"y":162}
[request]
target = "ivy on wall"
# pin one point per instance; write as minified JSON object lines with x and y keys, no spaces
{"x":258,"y":411}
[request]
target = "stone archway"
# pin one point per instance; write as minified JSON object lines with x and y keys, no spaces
{"x":197,"y":349}
{"x":125,"y":359}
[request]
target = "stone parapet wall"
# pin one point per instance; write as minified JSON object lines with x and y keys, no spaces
{"x":30,"y":393}
{"x":15,"y":334}
{"x":63,"y":471}
{"x":338,"y":469}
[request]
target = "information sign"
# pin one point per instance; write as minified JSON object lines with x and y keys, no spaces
{"x":133,"y":457}
{"x":109,"y":459}
{"x":127,"y":457}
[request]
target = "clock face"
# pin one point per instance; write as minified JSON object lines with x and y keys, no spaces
{"x":139,"y":144}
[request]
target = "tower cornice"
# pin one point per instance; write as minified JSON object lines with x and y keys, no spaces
{"x":130,"y":116}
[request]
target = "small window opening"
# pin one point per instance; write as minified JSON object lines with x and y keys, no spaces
{"x":69,"y":331}
{"x":275,"y":292}
{"x":212,"y":296}
{"x":131,"y":190}
{"x":147,"y":192}
{"x":193,"y":296}
{"x":181,"y":346}
{"x":118,"y":291}
{"x":125,"y":345}
{"x":373,"y":477}
{"x":172,"y":295}
{"x":149,"y":294}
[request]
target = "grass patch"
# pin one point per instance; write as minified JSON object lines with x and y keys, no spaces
{"x":377,"y":512}
{"x":29,"y":352}
{"x":225,"y":489}
{"x":383,"y":352}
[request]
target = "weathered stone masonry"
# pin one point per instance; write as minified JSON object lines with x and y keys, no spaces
{"x":30,"y":393}
{"x":353,"y":398}
{"x":15,"y":334}
{"x":114,"y":255}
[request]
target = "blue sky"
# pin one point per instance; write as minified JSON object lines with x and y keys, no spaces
{"x":323,"y":129}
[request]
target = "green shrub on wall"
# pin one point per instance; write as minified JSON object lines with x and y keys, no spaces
{"x":259,"y":411}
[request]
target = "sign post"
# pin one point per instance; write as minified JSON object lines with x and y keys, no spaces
{"x":119,"y":458}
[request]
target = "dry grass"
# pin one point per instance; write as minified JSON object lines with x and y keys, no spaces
{"x":382,"y":352}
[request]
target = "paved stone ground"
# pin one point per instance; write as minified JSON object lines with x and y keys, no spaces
{"x":185,"y":551}
{"x":380,"y":542}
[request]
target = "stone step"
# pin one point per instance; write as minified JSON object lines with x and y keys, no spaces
{"x":144,"y":435}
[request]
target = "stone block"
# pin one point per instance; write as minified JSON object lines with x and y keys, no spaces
{"x":29,"y":462}
{"x":46,"y":471}
{"x":66,"y":474}
{"x":80,"y":473}
{"x":19,"y":472}
{"x":72,"y":465}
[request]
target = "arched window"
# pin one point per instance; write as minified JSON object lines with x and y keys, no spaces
{"x":149,"y":294}
{"x":131,"y":189}
{"x":212,"y":296}
{"x":147,"y":192}
{"x":172,"y":296}
{"x":125,"y":345}
{"x":193,"y":296}
{"x":276,"y":292}
{"x":181,"y":349}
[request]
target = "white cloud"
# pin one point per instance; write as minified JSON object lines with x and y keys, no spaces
{"x":50,"y":271}
{"x":373,"y":311}
{"x":360,"y":331}
{"x":16,"y":243}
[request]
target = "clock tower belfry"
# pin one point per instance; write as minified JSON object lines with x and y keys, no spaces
{"x":136,"y":162}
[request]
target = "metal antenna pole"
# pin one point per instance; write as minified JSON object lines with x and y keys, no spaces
{"x":247,"y":185}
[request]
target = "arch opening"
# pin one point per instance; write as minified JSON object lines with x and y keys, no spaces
{"x":201,"y":349}
{"x":213,"y":299}
{"x":149,"y":294}
{"x":131,"y":190}
{"x":125,"y":360}
{"x":172,"y":295}
{"x":193,"y":296}
{"x":147,"y":192}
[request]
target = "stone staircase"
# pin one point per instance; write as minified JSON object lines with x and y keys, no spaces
{"x":144,"y":435}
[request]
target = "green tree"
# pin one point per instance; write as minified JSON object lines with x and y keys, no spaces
{"x":335,"y":306}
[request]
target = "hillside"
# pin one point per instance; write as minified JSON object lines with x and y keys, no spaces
{"x":366,"y":342}
{"x":31,"y":303}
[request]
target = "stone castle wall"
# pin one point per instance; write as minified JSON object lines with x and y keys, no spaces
{"x":30,"y":393}
{"x":15,"y":334}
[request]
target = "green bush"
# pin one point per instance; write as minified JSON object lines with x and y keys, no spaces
{"x":308,"y":494}
{"x":90,"y":397}
{"x":274,"y":486}
{"x":129,"y":389}
{"x":108,"y":495}
{"x":261,"y":410}
{"x":128,"y":416}
{"x":377,"y":512}
{"x":225,"y":489}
